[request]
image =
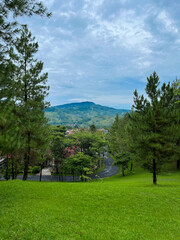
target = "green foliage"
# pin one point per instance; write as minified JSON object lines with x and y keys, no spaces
{"x":22,"y":88}
{"x":92,"y":128}
{"x":79,"y":164}
{"x":35,"y":169}
{"x":31,"y":90}
{"x":150,"y":134}
{"x":88,"y":149}
{"x":9,"y":131}
{"x":82,"y":114}
{"x":155,"y":126}
{"x":58,"y":145}
{"x":89,"y":143}
{"x":177,"y":91}
{"x":10,"y":10}
{"x":176,"y":100}
{"x":122,"y":160}
{"x":120,"y":142}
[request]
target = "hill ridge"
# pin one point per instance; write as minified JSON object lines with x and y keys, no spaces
{"x":83,"y":114}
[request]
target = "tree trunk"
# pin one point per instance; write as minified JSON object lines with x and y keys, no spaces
{"x":73,"y":176}
{"x":26,"y":166}
{"x":85,"y":176}
{"x":62,"y":176}
{"x":154,"y":172}
{"x":123,"y":170}
{"x":57,"y":167}
{"x":7,"y":169}
{"x":15,"y":170}
{"x":40,"y":176}
{"x":81,"y":177}
{"x":178,"y":164}
{"x":131,"y":166}
{"x":12,"y":165}
{"x":27,"y":159}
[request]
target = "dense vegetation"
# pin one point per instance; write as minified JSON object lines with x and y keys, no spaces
{"x":78,"y":153}
{"x":83,"y":115}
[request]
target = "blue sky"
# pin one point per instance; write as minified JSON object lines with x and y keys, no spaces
{"x":102,"y":50}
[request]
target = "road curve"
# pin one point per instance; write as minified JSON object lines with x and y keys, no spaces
{"x":109,"y":169}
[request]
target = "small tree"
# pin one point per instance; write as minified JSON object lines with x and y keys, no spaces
{"x":122,"y":160}
{"x":58,"y":146}
{"x":92,"y":128}
{"x":120,"y":141}
{"x":80,"y":164}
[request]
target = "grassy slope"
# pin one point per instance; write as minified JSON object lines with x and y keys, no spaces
{"x":116,"y":208}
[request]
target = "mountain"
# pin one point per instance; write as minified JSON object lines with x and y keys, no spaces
{"x":83,"y":114}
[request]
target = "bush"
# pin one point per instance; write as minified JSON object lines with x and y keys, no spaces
{"x":35,"y":169}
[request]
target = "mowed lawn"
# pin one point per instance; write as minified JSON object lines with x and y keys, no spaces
{"x":115,"y":208}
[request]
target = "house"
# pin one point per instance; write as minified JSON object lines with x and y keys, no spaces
{"x":68,"y":132}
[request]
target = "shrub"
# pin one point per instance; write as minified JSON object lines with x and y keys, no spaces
{"x":35,"y":169}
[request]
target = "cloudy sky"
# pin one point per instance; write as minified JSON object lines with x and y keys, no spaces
{"x":102,"y":50}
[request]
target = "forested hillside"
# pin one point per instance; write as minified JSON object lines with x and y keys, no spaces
{"x":83,"y":114}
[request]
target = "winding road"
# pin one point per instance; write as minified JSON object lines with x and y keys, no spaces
{"x":108,"y":171}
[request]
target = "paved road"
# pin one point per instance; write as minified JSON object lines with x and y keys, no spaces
{"x":108,"y":171}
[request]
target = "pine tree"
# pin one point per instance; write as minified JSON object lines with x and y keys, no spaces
{"x":120,"y":142}
{"x":154,"y":129}
{"x":58,"y":146}
{"x":9,"y":135}
{"x":9,"y":26}
{"x":176,"y":101}
{"x":30,"y":91}
{"x":114,"y":135}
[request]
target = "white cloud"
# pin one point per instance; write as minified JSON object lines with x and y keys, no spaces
{"x":48,"y":3}
{"x":63,"y":31}
{"x":113,"y":99}
{"x":142,"y":64}
{"x":93,"y":4}
{"x":125,"y":30}
{"x":167,"y":22}
{"x":63,"y":14}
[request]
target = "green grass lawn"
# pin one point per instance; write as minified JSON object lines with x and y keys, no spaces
{"x":115,"y":208}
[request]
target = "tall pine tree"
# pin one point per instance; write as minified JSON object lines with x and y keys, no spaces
{"x":154,"y":130}
{"x":31,"y":90}
{"x":9,"y":28}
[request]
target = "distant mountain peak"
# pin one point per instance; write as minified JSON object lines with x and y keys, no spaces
{"x":83,"y":114}
{"x":86,"y":102}
{"x":68,"y":105}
